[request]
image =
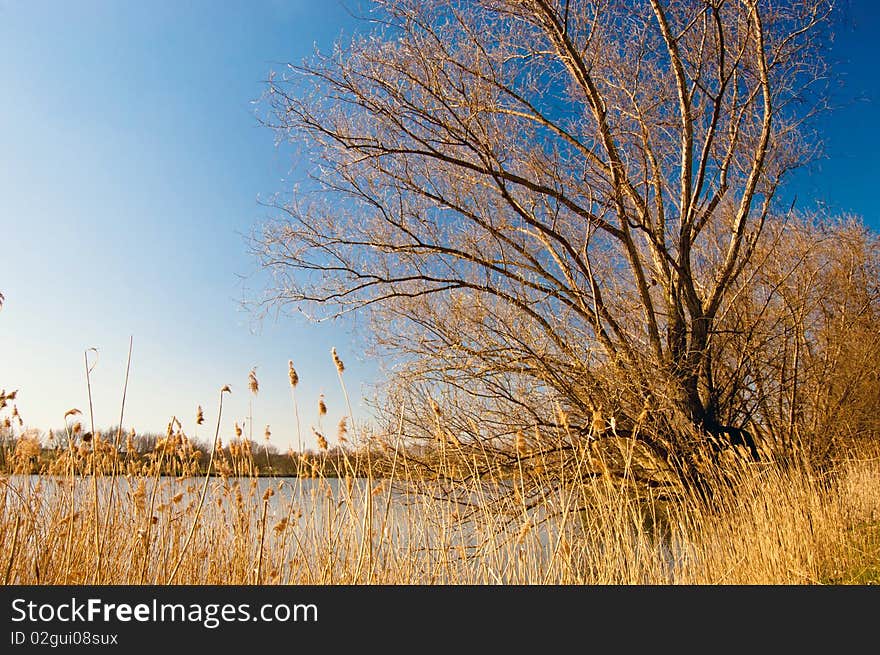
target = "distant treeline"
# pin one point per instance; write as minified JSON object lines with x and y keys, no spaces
{"x":174,"y":454}
{"x":128,"y":452}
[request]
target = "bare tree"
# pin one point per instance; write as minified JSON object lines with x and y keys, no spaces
{"x":803,"y":361}
{"x":548,"y":206}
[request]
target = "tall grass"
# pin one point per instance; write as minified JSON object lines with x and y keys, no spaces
{"x":776,"y":525}
{"x":540,"y":522}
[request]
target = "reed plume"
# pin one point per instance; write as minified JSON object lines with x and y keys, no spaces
{"x":338,"y":362}
{"x":294,"y":380}
{"x":321,"y":439}
{"x":342,"y":430}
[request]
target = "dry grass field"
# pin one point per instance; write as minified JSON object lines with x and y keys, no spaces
{"x":767,"y":523}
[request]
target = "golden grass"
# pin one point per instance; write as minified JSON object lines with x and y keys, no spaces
{"x":775,"y":525}
{"x":101,"y":515}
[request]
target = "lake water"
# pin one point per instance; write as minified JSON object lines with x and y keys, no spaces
{"x":430,"y":534}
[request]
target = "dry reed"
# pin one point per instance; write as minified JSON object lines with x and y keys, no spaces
{"x":535,"y":522}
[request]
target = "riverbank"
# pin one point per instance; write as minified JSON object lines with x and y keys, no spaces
{"x":768,"y":524}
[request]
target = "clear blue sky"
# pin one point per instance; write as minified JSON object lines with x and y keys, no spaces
{"x":131,"y":164}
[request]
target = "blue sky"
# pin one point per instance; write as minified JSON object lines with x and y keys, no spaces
{"x":131,"y":165}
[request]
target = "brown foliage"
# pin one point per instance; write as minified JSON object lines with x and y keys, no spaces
{"x":559,"y":212}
